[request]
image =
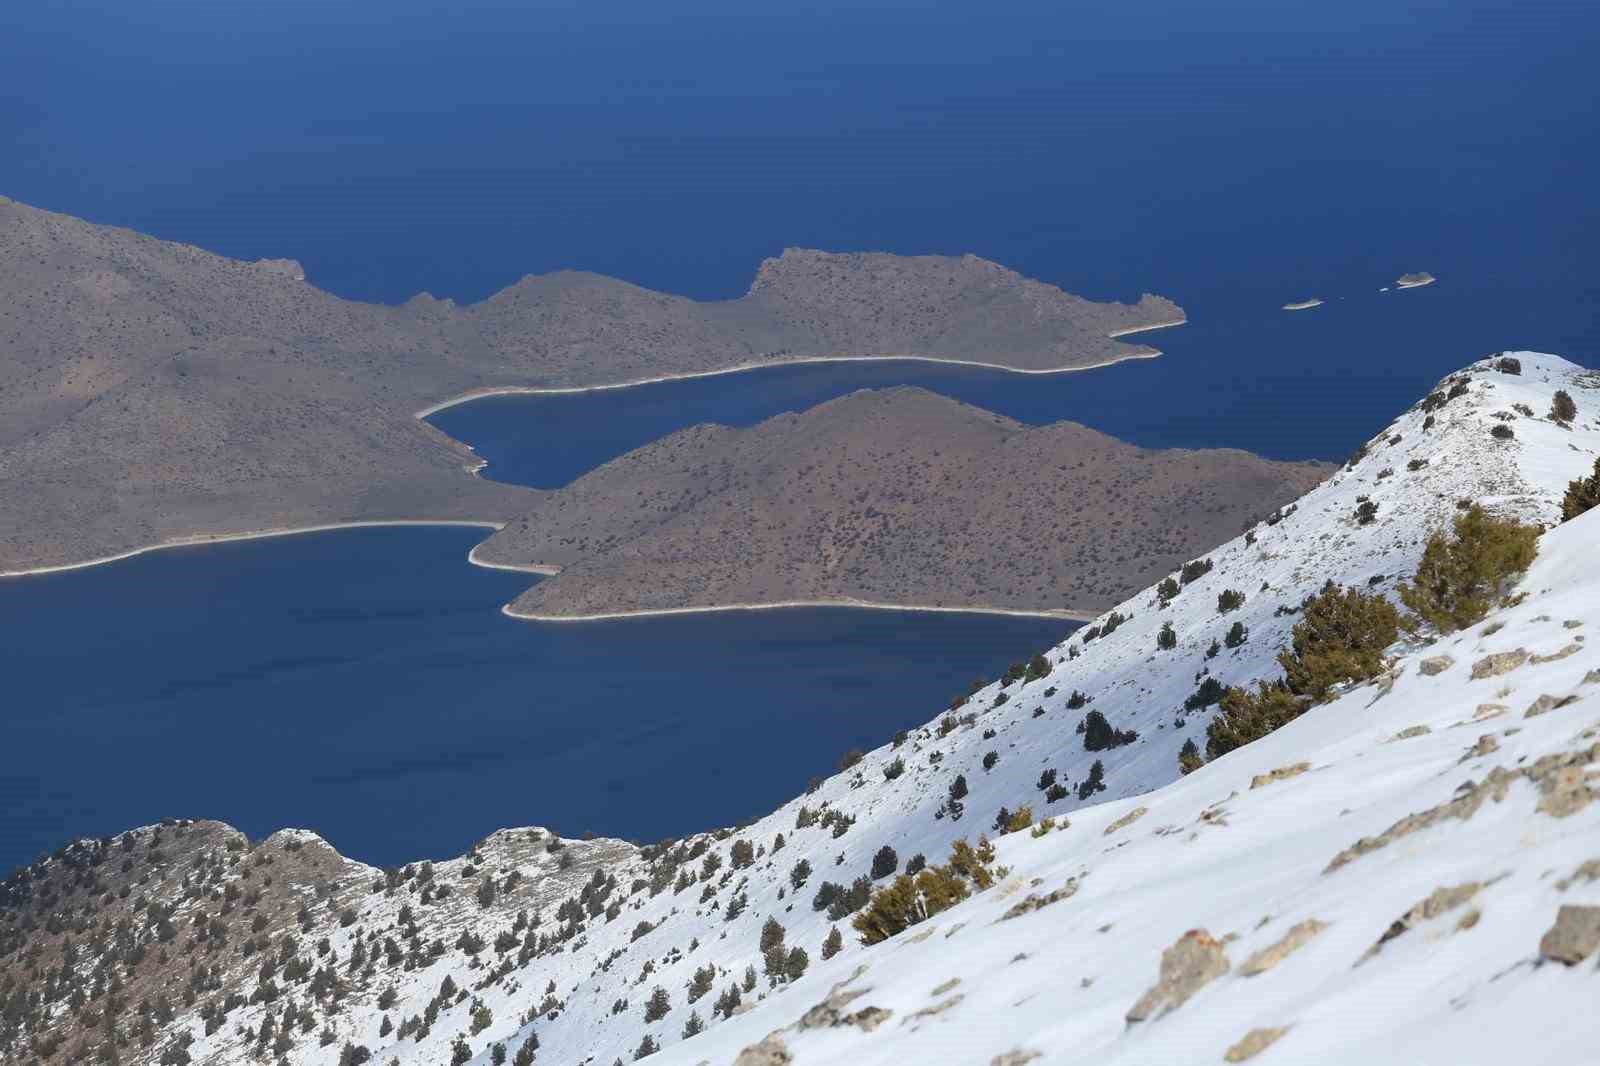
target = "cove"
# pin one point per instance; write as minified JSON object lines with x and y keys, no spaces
{"x":363,"y":683}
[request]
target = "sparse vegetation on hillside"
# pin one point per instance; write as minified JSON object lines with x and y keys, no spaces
{"x":1582,"y":494}
{"x":1340,"y":637}
{"x":1462,"y":574}
{"x":910,"y":900}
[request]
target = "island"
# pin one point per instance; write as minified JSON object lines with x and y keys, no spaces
{"x":154,"y":393}
{"x":894,"y":496}
{"x":1303,"y":305}
{"x":1414,"y":281}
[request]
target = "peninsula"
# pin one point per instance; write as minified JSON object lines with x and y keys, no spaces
{"x":155,"y":393}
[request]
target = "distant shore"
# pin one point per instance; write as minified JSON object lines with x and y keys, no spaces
{"x":688,"y":375}
{"x":1303,"y":305}
{"x":604,"y":616}
{"x":202,"y":539}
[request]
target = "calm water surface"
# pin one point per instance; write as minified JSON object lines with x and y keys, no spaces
{"x":363,"y":683}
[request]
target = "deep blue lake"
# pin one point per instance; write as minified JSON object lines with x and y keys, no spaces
{"x":364,"y":684}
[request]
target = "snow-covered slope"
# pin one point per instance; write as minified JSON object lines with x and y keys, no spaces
{"x":1208,"y":851}
{"x":1425,"y":946}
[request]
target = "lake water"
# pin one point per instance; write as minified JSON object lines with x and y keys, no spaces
{"x":364,"y":684}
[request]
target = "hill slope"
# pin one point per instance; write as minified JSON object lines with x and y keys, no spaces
{"x":152,"y":391}
{"x":1472,"y":791}
{"x":890,"y":496}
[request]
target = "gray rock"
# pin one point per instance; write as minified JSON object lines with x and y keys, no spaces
{"x":1574,"y":936}
{"x":1032,"y":902}
{"x":1295,"y":939}
{"x":1192,"y":962}
{"x":1015,"y":1057}
{"x":1547,"y":703}
{"x":772,"y":1051}
{"x":1282,"y":773}
{"x":1438,"y":902}
{"x":1438,"y":664}
{"x":1254,"y":1043}
{"x":1501,"y":662}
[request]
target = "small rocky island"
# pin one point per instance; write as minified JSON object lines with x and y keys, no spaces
{"x":1414,"y":281}
{"x":1303,"y":305}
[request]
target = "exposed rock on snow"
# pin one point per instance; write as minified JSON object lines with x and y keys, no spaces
{"x":1575,"y":935}
{"x":1187,"y":966}
{"x":1502,"y":662}
{"x":1253,"y":1043}
{"x":1301,"y":934}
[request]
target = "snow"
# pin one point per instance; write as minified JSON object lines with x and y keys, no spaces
{"x":1060,"y":980}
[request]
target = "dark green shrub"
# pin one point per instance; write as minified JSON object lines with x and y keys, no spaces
{"x":894,"y":769}
{"x":884,"y":863}
{"x":1562,"y":409}
{"x":1209,"y":692}
{"x":1502,"y":432}
{"x":1194,"y":571}
{"x":990,"y":759}
{"x":1167,"y":591}
{"x":1038,"y":667}
{"x":1098,"y":735}
{"x":1229,"y":600}
{"x":1244,"y":715}
{"x":1341,"y":636}
{"x":1167,"y":638}
{"x":1095,"y":782}
{"x":909,"y":900}
{"x":1189,"y":759}
{"x":1582,"y":494}
{"x":1366,"y":512}
{"x":1507,"y":365}
{"x":1237,"y":634}
{"x":833,"y":943}
{"x":1461,"y":576}
{"x":1076,"y":700}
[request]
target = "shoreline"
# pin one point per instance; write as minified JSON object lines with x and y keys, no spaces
{"x":569,"y":390}
{"x":200,"y":540}
{"x":871,"y":605}
{"x":545,"y":570}
{"x":516,"y":568}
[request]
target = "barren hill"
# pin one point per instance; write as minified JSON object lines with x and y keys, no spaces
{"x":153,"y":391}
{"x":888,"y":496}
